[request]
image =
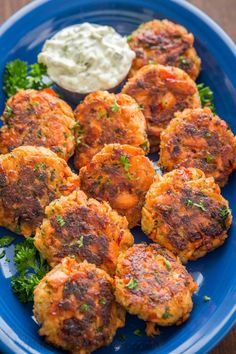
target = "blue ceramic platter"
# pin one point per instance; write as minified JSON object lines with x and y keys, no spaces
{"x":22,"y":36}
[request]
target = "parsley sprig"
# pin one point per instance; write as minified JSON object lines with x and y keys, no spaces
{"x":31,"y":268}
{"x":19,"y":75}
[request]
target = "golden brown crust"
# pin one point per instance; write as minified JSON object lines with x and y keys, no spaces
{"x":85,"y":229}
{"x":152,"y":283}
{"x":164,"y":42}
{"x":197,"y":138}
{"x":161,"y":91}
{"x":105,"y":118}
{"x":30,"y":178}
{"x":121,"y":175}
{"x":40,"y":119}
{"x":185,"y":212}
{"x":75,"y":306}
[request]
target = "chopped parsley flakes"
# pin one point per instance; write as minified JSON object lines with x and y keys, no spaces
{"x":167,"y":263}
{"x":206,"y":298}
{"x":138,"y":332}
{"x":115,"y":107}
{"x":80,"y":242}
{"x":199,"y":205}
{"x":84,"y":307}
{"x":132,"y":284}
{"x":60,"y":220}
{"x":125,"y":162}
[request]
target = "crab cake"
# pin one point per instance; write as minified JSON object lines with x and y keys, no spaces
{"x":75,"y":307}
{"x":164,"y":42}
{"x":30,"y":178}
{"x":161,"y":91}
{"x":121,"y":175}
{"x":38,"y":118}
{"x":151,"y":283}
{"x":105,"y":118}
{"x":83,"y":228}
{"x":185,"y":212}
{"x":197,"y":138}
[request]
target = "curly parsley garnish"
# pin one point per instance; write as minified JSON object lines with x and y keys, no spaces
{"x":6,"y":241}
{"x":31,"y":269}
{"x":18,"y":75}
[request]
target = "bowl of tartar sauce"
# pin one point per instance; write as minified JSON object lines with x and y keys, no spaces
{"x":85,"y":58}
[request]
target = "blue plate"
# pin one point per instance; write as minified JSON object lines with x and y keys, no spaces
{"x":22,"y":37}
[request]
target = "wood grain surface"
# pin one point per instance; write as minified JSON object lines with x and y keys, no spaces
{"x":224,"y":13}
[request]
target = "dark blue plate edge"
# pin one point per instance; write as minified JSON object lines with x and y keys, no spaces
{"x":7,"y":345}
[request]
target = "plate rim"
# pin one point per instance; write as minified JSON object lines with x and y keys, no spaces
{"x":203,"y":346}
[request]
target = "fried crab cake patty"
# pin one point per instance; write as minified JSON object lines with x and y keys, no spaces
{"x":30,"y":178}
{"x":75,"y":306}
{"x":38,"y":118}
{"x":105,"y":118}
{"x":151,"y":283}
{"x":161,"y":91}
{"x":185,"y":212}
{"x":120,"y":175}
{"x":197,"y":138}
{"x":164,"y":42}
{"x":83,"y":228}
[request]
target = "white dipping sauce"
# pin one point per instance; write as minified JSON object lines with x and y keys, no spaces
{"x":87,"y":57}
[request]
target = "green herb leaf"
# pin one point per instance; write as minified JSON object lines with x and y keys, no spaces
{"x":125,"y":162}
{"x":6,"y":241}
{"x":224,"y":212}
{"x":206,"y":96}
{"x":132,"y":284}
{"x":18,"y":75}
{"x":129,"y":38}
{"x":2,"y":254}
{"x":138,"y":332}
{"x":152,"y":62}
{"x":209,"y":158}
{"x":39,"y":165}
{"x":183,"y":60}
{"x":168,"y":264}
{"x":8,"y":112}
{"x":199,"y":205}
{"x":60,"y":220}
{"x":145,"y":147}
{"x":115,"y":107}
{"x":103,"y":301}
{"x":166,"y":314}
{"x":84,"y":307}
{"x":31,"y":269}
{"x":25,"y":255}
{"x":206,"y":298}
{"x":80,"y":242}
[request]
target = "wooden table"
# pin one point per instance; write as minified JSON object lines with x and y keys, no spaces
{"x":223,"y":12}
